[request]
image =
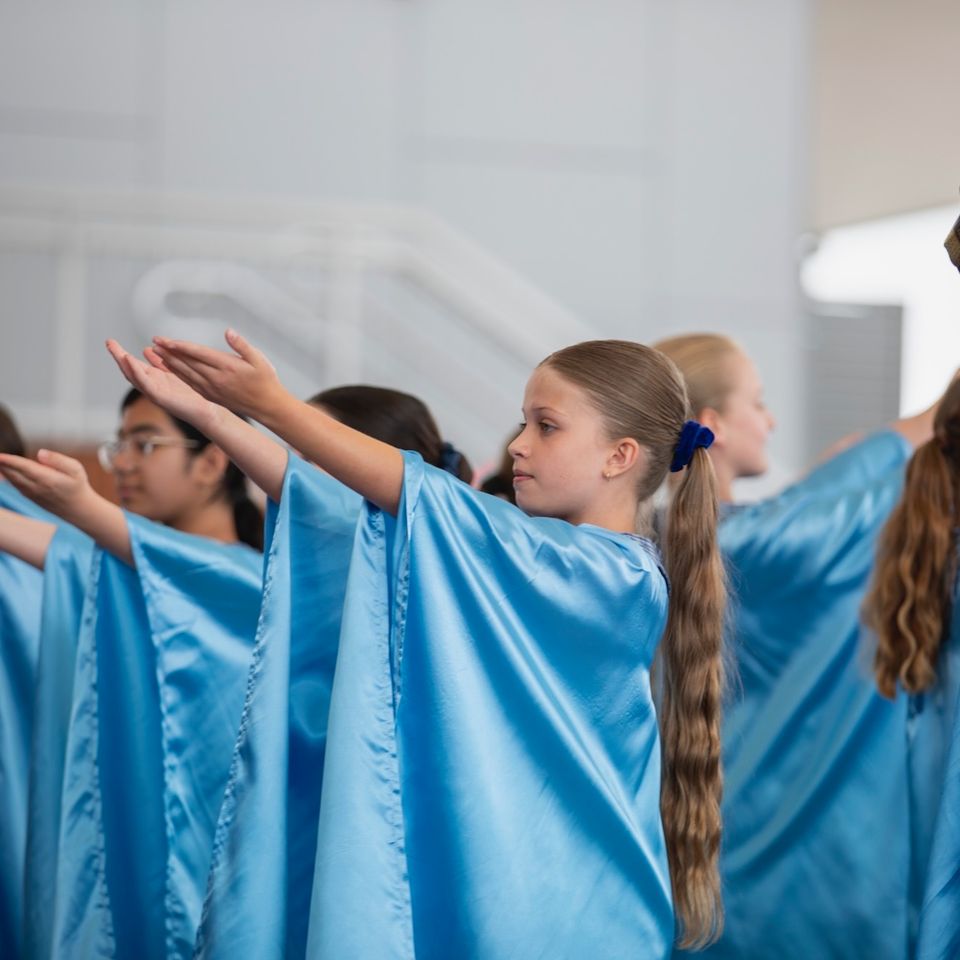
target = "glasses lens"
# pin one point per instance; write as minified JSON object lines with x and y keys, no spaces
{"x":106,"y":453}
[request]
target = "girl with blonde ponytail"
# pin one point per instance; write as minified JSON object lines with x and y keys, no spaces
{"x":495,"y":781}
{"x":814,"y":758}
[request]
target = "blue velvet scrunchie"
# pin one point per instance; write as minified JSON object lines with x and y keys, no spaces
{"x":692,"y":435}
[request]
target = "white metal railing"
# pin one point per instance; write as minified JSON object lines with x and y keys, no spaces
{"x":203,"y":249}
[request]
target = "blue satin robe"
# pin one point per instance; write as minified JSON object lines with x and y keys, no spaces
{"x":492,"y":776}
{"x":65,"y":576}
{"x":21,"y":593}
{"x":161,"y":663}
{"x":935,"y":738}
{"x":816,"y":850}
{"x":259,"y":894}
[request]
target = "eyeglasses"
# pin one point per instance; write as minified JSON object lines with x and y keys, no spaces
{"x":140,"y":447}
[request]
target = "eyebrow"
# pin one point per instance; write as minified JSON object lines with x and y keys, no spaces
{"x":543,"y":409}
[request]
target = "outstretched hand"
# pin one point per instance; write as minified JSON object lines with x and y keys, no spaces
{"x":55,"y":481}
{"x":155,"y":381}
{"x":243,"y":381}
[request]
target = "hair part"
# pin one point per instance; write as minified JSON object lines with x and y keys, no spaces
{"x":247,"y":516}
{"x":910,"y":599}
{"x":640,"y":393}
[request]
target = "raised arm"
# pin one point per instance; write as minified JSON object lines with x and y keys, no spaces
{"x":263,"y":460}
{"x":25,"y":537}
{"x":245,"y":381}
{"x":59,"y":483}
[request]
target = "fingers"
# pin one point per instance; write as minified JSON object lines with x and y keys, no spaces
{"x":241,"y":346}
{"x":61,"y":463}
{"x":246,"y":351}
{"x":192,"y":352}
{"x":20,"y":480}
{"x":129,"y":365}
{"x":34,"y":475}
{"x":116,"y":351}
{"x":155,"y":360}
{"x":184,"y":370}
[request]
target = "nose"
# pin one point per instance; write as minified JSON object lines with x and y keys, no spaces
{"x":517,"y":447}
{"x":771,"y":421}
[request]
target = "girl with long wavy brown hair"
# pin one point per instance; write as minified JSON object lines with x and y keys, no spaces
{"x":911,"y":597}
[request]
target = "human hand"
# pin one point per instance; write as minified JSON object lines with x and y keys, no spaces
{"x":158,"y":384}
{"x":243,"y":381}
{"x":55,"y":481}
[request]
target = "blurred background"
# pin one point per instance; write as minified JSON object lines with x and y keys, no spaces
{"x":434,"y":194}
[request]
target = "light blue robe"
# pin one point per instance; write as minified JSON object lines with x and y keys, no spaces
{"x":259,"y":894}
{"x":65,"y":575}
{"x":936,"y":779}
{"x":161,"y":664}
{"x":492,"y":777}
{"x":816,"y":851}
{"x":21,"y":593}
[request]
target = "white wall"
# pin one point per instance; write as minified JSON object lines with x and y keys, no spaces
{"x":643,"y":161}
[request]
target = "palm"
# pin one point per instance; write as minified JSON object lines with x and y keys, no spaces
{"x":155,"y":382}
{"x":171,"y":393}
{"x":56,"y":482}
{"x":243,"y":381}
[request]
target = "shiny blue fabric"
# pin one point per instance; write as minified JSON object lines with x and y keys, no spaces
{"x":492,"y":787}
{"x":161,"y":662}
{"x":816,"y":850}
{"x":21,"y":593}
{"x":66,"y":574}
{"x":259,"y":894}
{"x":936,"y":780}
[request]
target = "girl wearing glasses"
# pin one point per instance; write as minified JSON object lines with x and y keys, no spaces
{"x":138,"y":740}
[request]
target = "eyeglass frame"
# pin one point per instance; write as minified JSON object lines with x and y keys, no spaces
{"x":108,"y":450}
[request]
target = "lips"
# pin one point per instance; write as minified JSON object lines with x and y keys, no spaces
{"x":519,"y":476}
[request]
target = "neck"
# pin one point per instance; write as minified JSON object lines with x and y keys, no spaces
{"x":213,"y":520}
{"x":618,"y":517}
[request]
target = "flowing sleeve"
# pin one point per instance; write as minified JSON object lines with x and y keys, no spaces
{"x":66,"y":576}
{"x":860,"y":464}
{"x":798,"y":554}
{"x":159,"y":680}
{"x":259,"y":893}
{"x":492,"y":777}
{"x":21,"y":592}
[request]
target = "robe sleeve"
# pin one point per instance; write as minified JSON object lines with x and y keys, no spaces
{"x":492,"y":778}
{"x":259,"y":893}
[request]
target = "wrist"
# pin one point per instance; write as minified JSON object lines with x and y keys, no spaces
{"x":270,"y":410}
{"x":77,"y":510}
{"x":210,"y":421}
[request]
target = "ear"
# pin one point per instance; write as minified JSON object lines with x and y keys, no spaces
{"x":711,"y":419}
{"x":209,"y":465}
{"x":623,"y":457}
